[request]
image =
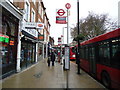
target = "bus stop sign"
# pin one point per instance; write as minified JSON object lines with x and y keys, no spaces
{"x":67,"y":5}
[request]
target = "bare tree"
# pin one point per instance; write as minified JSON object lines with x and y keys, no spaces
{"x":94,"y":25}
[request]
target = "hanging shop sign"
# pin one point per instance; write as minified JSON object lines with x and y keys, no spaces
{"x":61,"y":16}
{"x":40,"y":26}
{"x":41,"y":37}
{"x":4,"y":38}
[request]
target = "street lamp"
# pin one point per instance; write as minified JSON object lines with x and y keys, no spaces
{"x":78,"y":50}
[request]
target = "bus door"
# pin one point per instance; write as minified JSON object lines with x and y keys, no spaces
{"x":92,"y":61}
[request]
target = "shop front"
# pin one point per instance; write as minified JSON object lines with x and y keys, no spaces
{"x":28,"y":48}
{"x":8,"y":42}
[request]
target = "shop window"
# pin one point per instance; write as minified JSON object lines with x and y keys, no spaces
{"x":12,"y":28}
{"x":4,"y":53}
{"x":4,"y":28}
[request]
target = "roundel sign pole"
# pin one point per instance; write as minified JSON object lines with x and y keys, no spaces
{"x":67,"y":60}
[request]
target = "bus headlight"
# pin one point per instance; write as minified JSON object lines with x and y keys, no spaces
{"x":73,"y":55}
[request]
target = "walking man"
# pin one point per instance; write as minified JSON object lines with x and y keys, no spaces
{"x":52,"y":57}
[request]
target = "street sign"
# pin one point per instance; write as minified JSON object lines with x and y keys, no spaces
{"x":60,"y":12}
{"x":67,"y":5}
{"x":61,"y":20}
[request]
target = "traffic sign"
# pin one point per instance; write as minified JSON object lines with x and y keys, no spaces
{"x":60,"y":12}
{"x":67,"y":5}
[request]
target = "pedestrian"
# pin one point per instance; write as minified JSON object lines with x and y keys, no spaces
{"x":52,"y":57}
{"x":48,"y":61}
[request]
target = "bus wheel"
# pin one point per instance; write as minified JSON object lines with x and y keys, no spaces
{"x":106,"y":79}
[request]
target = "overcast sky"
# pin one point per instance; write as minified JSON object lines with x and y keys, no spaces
{"x":109,"y":7}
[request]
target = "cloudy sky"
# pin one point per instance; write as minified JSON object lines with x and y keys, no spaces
{"x":109,"y":7}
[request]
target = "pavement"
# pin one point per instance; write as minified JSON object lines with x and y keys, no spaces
{"x":41,"y":76}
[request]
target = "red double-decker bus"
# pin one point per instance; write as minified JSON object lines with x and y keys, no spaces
{"x":72,"y":53}
{"x":100,"y":57}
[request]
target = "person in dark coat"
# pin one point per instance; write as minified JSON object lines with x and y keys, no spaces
{"x":52,"y":58}
{"x":48,"y":61}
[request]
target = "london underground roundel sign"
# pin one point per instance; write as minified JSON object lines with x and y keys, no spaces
{"x":60,"y":12}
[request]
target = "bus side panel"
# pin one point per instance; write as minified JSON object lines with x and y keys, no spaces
{"x":85,"y":65}
{"x":113,"y":73}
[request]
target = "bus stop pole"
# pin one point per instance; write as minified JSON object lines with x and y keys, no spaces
{"x":78,"y":58}
{"x":67,"y":45}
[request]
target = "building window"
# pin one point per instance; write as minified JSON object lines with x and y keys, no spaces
{"x":42,"y":13}
{"x":39,"y":8}
{"x":33,"y":16}
{"x":27,"y":11}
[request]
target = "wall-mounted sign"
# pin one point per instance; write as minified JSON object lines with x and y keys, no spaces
{"x":30,"y":25}
{"x":11,"y":42}
{"x":34,"y":25}
{"x":4,"y":38}
{"x":32,"y":32}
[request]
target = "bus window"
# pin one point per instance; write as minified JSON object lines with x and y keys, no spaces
{"x":86,"y":53}
{"x":116,"y":52}
{"x":104,"y":53}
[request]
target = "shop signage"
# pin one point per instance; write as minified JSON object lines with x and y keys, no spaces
{"x":30,"y":25}
{"x":11,"y":42}
{"x":40,"y":26}
{"x":4,"y":38}
{"x":32,"y":32}
{"x":34,"y":25}
{"x":41,"y":37}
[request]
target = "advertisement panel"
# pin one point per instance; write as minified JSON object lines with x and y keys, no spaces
{"x":67,"y":58}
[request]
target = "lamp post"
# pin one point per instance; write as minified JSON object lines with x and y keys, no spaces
{"x":78,"y":50}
